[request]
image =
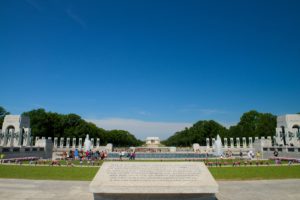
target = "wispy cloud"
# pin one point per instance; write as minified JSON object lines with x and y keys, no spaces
{"x":202,"y":111}
{"x":76,"y":18}
{"x":141,"y":129}
{"x":144,"y":113}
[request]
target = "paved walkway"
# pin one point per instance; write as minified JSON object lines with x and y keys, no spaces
{"x":16,"y":189}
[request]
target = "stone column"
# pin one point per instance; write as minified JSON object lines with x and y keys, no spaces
{"x":10,"y":138}
{"x":5,"y":137}
{"x":207,"y":143}
{"x":98,"y":142}
{"x":1,"y":138}
{"x":31,"y":141}
{"x":26,"y":137}
{"x":255,"y":139}
{"x":92,"y":143}
{"x":238,"y":145}
{"x":68,"y":143}
{"x":244,"y":142}
{"x":225,"y":143}
{"x":250,"y":142}
{"x":17,"y":139}
{"x":274,"y":140}
{"x":36,"y":141}
{"x":80,"y":143}
{"x":231,"y":143}
{"x":61,"y":143}
{"x":74,"y":143}
{"x":213,"y":141}
{"x":55,"y":142}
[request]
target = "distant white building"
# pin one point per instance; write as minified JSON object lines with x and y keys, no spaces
{"x":152,"y":141}
{"x":288,"y":130}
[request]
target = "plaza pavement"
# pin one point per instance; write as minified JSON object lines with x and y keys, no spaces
{"x":17,"y":189}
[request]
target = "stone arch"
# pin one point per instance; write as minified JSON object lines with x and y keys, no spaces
{"x":296,"y":126}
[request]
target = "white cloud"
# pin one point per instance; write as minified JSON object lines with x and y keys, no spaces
{"x":141,"y":129}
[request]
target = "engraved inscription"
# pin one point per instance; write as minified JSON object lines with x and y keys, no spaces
{"x":148,"y":172}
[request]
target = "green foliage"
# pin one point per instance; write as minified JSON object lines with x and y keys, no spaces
{"x":251,"y":124}
{"x":254,"y":124}
{"x":196,"y":134}
{"x":49,"y":124}
{"x":3,"y":112}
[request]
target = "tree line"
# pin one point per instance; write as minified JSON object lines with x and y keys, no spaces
{"x":251,"y":124}
{"x":51,"y":124}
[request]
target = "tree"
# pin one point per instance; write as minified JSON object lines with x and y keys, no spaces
{"x":3,"y":112}
{"x":254,"y":124}
{"x":49,"y":124}
{"x":196,"y":134}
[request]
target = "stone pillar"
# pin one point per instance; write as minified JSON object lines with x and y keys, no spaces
{"x":225,"y":143}
{"x":98,"y":142}
{"x":231,"y":143}
{"x":16,"y":139}
{"x":26,"y":137}
{"x":36,"y":141}
{"x":238,"y":145}
{"x":244,"y":142}
{"x":1,"y":138}
{"x":92,"y":143}
{"x":68,"y":143}
{"x":207,"y":143}
{"x":80,"y":143}
{"x":5,"y":137}
{"x":250,"y":142}
{"x":269,"y":141}
{"x":74,"y":143}
{"x":55,"y":142}
{"x":213,"y":141}
{"x":10,"y":138}
{"x":49,"y":138}
{"x":274,"y":141}
{"x":31,"y":141}
{"x":13,"y":138}
{"x":61,"y":143}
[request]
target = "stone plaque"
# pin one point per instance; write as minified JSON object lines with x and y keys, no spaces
{"x":153,"y":178}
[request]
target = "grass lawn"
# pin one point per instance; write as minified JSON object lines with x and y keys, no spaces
{"x":255,"y":173}
{"x":87,"y":173}
{"x":47,"y":172}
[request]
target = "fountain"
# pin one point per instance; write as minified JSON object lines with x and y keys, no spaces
{"x":87,"y":143}
{"x":218,"y":147}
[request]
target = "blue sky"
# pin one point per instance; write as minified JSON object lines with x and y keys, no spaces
{"x":151,"y":67}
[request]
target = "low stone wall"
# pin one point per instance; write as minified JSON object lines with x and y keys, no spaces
{"x":289,"y":152}
{"x":33,"y":151}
